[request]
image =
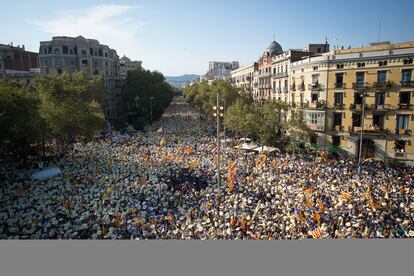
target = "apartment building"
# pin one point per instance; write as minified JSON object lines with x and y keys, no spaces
{"x":126,"y":65}
{"x":243,"y":78}
{"x":219,"y":70}
{"x":71,"y":54}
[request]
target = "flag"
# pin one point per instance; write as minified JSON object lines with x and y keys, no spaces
{"x":232,"y":222}
{"x":345,"y":196}
{"x":170,"y":217}
{"x":308,"y":203}
{"x":299,"y":217}
{"x":117,"y":220}
{"x":159,"y":130}
{"x":316,"y":232}
{"x":316,"y":217}
{"x":321,"y":207}
{"x":308,"y":190}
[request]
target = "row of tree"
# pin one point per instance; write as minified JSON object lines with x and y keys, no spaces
{"x":272,"y":123}
{"x":64,"y":108}
{"x":145,"y":96}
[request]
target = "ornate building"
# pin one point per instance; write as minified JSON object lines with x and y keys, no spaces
{"x":73,"y":54}
{"x":243,"y":78}
{"x":126,"y":65}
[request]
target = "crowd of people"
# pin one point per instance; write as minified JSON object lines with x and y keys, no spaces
{"x":162,"y":184}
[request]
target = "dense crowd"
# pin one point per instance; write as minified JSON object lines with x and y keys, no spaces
{"x":161,"y":184}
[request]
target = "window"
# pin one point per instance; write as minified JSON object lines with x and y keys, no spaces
{"x":100,"y":52}
{"x":57,"y":51}
{"x":315,"y":68}
{"x":339,"y":80}
{"x":336,"y":141}
{"x":91,"y":51}
{"x":106,"y":54}
{"x":85,"y":62}
{"x":46,"y":62}
{"x":338,"y":98}
{"x":339,"y":66}
{"x":75,"y":50}
{"x":402,"y":121}
{"x":381,"y":76}
{"x":406,"y":75}
{"x":383,"y":63}
{"x":399,"y":146}
{"x":360,"y":76}
{"x":314,"y":98}
{"x":405,"y":99}
{"x":59,"y":71}
{"x":313,"y":118}
{"x":356,"y":120}
{"x":408,"y":61}
{"x":361,"y":64}
{"x":71,"y":51}
{"x":50,"y":50}
{"x":45,"y":51}
{"x":315,"y":79}
{"x":83,"y":52}
{"x":65,"y":49}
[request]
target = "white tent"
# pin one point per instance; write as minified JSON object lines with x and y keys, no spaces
{"x":46,"y":173}
{"x":245,"y":140}
{"x":265,"y":149}
{"x":246,"y":146}
{"x":227,"y":140}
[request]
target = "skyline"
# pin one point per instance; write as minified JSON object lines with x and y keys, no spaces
{"x":178,"y":38}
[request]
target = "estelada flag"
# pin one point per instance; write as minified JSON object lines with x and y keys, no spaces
{"x":308,"y":203}
{"x":316,"y":232}
{"x":316,"y":217}
{"x":299,"y":217}
{"x":159,"y":130}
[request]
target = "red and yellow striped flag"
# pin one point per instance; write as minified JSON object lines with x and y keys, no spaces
{"x":299,"y":217}
{"x":308,"y":190}
{"x":345,"y":196}
{"x":316,"y":217}
{"x":316,"y":232}
{"x":308,"y":203}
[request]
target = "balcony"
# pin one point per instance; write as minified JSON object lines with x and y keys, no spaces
{"x":360,"y":85}
{"x":407,"y":84}
{"x":405,"y":106}
{"x":381,"y":107}
{"x":280,"y":75}
{"x":315,"y":105}
{"x":339,"y":106}
{"x":338,"y":128}
{"x":403,"y":131}
{"x":340,"y":85}
{"x":402,"y":155}
{"x":314,"y":87}
{"x":383,"y":85}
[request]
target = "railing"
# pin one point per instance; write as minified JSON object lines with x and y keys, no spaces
{"x":360,"y":85}
{"x":403,"y":131}
{"x":404,"y":106}
{"x":407,"y":83}
{"x":358,"y":107}
{"x":399,"y":154}
{"x":315,"y":105}
{"x":338,"y":106}
{"x":381,"y":107}
{"x":340,"y":85}
{"x":383,"y":85}
{"x":314,"y":86}
{"x":280,"y":75}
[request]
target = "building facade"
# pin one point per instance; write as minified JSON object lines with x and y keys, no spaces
{"x":18,"y":64}
{"x":71,"y":54}
{"x":370,"y":91}
{"x":243,"y":78}
{"x":126,"y":65}
{"x":219,"y":70}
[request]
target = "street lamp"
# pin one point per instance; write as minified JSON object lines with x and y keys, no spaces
{"x":218,"y":113}
{"x":152,"y":98}
{"x":362,"y":95}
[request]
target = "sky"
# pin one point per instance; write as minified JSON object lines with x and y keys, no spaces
{"x":181,"y":36}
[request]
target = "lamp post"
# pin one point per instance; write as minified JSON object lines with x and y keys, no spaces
{"x":218,"y":113}
{"x":152,"y":98}
{"x":363,"y":95}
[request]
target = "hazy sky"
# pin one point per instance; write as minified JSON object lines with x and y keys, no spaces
{"x":181,"y":36}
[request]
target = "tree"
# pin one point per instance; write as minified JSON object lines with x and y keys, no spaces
{"x":19,"y":118}
{"x":298,"y":129}
{"x":241,"y":117}
{"x":71,"y":106}
{"x":136,"y":101}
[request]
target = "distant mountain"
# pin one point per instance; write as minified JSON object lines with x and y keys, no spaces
{"x":182,"y":79}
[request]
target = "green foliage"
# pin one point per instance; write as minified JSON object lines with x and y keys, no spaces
{"x":71,"y":106}
{"x":136,"y":101}
{"x":298,"y":128}
{"x":19,"y":117}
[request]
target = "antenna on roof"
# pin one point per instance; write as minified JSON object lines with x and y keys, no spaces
{"x":379,"y":27}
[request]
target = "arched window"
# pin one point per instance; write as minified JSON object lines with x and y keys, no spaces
{"x":57,"y":51}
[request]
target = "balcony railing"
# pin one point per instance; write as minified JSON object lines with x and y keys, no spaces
{"x":381,"y":107}
{"x":383,"y":85}
{"x":280,"y":75}
{"x":315,"y":105}
{"x":360,"y":85}
{"x":314,"y":86}
{"x":407,"y":83}
{"x":338,"y":106}
{"x":403,"y":131}
{"x":340,"y":85}
{"x":404,"y":106}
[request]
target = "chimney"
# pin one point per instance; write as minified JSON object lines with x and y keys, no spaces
{"x":11,"y":44}
{"x":23,"y":47}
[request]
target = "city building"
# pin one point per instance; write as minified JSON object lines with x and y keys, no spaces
{"x":219,"y":70}
{"x":370,"y":91}
{"x":243,"y":78}
{"x":126,"y":65}
{"x":263,"y":77}
{"x":71,"y":54}
{"x":18,"y":64}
